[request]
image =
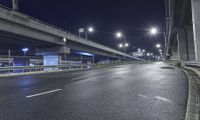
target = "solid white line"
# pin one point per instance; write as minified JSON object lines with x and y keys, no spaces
{"x":163,"y":99}
{"x":43,"y":93}
{"x":143,"y":96}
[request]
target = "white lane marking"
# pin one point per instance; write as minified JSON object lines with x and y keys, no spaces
{"x":164,"y":99}
{"x":43,"y":93}
{"x":76,"y":73}
{"x":143,"y":96}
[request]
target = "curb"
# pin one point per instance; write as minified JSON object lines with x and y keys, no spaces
{"x":193,"y":98}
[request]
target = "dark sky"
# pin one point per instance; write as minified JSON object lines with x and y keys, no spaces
{"x":131,"y":17}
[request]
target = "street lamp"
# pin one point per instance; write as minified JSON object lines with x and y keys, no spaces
{"x":120,"y":35}
{"x":64,"y":40}
{"x":86,"y":30}
{"x":126,"y":44}
{"x":153,"y":30}
{"x":120,"y":45}
{"x":148,"y":54}
{"x":158,"y":45}
{"x":25,"y":50}
{"x":90,"y":29}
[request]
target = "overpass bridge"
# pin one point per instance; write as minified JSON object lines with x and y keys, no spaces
{"x":20,"y":29}
{"x":183,"y":29}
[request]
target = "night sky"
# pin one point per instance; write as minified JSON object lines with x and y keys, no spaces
{"x":132,"y":17}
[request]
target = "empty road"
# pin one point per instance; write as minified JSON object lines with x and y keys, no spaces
{"x":127,"y":92}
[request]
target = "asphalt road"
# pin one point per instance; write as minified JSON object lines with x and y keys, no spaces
{"x":127,"y":92}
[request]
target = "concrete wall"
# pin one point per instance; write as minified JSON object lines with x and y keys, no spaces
{"x":182,"y":45}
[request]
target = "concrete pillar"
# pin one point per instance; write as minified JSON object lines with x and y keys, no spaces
{"x":175,"y":54}
{"x":190,"y":41}
{"x":15,"y":4}
{"x":50,"y":60}
{"x":196,"y":27}
{"x":182,"y":45}
{"x":52,"y":55}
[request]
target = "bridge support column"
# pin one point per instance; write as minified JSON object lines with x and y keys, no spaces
{"x":182,"y":45}
{"x":15,"y":4}
{"x":175,"y":54}
{"x":190,"y":41}
{"x":51,"y":59}
{"x":196,"y":27}
{"x":52,"y":56}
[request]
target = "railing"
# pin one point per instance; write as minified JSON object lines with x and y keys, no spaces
{"x":22,"y":69}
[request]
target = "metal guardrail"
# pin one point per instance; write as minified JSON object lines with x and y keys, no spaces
{"x":20,"y":69}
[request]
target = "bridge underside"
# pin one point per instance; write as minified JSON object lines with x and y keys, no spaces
{"x":16,"y":42}
{"x":183,"y":33}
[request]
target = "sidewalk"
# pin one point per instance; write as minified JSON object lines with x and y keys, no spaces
{"x":192,"y":71}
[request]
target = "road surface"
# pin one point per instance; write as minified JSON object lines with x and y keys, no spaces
{"x":127,"y":92}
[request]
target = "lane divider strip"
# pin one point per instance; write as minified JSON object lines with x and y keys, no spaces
{"x":43,"y":93}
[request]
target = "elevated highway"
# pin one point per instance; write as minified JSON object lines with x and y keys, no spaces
{"x":18,"y":28}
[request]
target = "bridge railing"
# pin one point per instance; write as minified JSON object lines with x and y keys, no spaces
{"x":22,"y":69}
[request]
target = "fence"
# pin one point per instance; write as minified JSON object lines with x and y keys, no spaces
{"x":21,"y":69}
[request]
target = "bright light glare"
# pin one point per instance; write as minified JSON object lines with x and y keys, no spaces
{"x":148,"y":54}
{"x":91,"y":29}
{"x":85,"y":53}
{"x":64,"y":39}
{"x":153,"y":31}
{"x":143,"y":50}
{"x":118,"y":34}
{"x":160,"y":50}
{"x":120,"y":45}
{"x":25,"y":49}
{"x":158,"y":45}
{"x":126,"y":44}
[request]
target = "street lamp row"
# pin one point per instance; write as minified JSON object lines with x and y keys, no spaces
{"x":153,"y":31}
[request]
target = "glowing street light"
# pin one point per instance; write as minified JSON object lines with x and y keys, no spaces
{"x":153,"y":30}
{"x":148,"y":54}
{"x":90,"y":29}
{"x":160,"y":50}
{"x":120,"y":45}
{"x":86,"y":30}
{"x":64,"y":39}
{"x":158,"y":45}
{"x":118,"y":34}
{"x":126,"y":44}
{"x":25,"y":50}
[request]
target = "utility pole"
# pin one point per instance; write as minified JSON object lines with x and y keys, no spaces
{"x":9,"y":58}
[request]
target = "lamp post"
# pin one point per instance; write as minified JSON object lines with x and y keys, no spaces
{"x":25,"y":50}
{"x":86,"y":30}
{"x":154,"y":31}
{"x":158,"y":45}
{"x":124,"y":45}
{"x":9,"y":58}
{"x":65,"y":54}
